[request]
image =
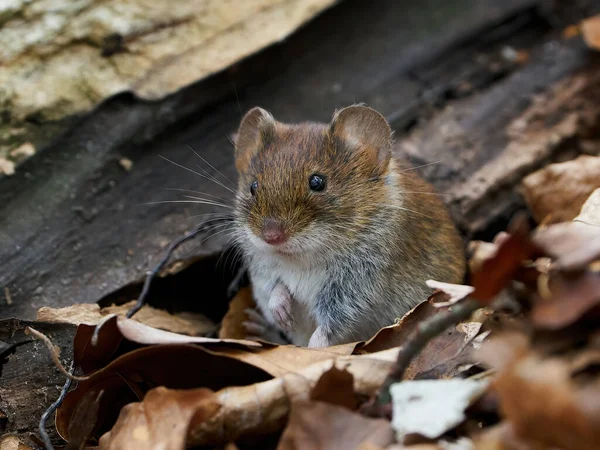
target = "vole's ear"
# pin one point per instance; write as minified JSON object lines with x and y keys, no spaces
{"x":364,"y":131}
{"x":256,"y":128}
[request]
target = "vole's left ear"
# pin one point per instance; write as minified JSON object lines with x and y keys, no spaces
{"x":363,"y":130}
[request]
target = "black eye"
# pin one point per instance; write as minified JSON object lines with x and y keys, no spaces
{"x":253,"y":187}
{"x":316,"y":183}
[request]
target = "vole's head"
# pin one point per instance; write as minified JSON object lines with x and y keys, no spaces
{"x":310,"y":187}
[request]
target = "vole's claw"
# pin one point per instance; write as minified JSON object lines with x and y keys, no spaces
{"x":259,"y":329}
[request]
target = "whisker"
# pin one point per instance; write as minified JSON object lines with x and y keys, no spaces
{"x":418,"y":167}
{"x":207,"y":238}
{"x":198,"y":192}
{"x":189,"y":201}
{"x":193,"y":197}
{"x":211,"y":166}
{"x":197,"y":173}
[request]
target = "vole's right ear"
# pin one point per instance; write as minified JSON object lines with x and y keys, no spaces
{"x":256,"y":128}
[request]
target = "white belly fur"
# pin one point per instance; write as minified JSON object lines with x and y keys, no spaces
{"x":304,"y":285}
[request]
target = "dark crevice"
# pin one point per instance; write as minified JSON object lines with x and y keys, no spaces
{"x":201,"y":287}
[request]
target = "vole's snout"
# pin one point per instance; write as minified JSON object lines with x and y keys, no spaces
{"x":273,"y":232}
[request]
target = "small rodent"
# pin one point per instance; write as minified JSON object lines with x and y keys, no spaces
{"x":338,"y":236}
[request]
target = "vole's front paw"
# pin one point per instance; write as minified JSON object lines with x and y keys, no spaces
{"x":257,"y":328}
{"x":280,"y":306}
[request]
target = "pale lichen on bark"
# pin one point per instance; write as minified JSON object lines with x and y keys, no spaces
{"x":60,"y":58}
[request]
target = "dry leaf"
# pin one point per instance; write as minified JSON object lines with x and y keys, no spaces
{"x":336,"y":387}
{"x":262,"y":408}
{"x":590,"y":28}
{"x":560,"y":190}
{"x":128,"y":377}
{"x":85,"y":418}
{"x":143,"y":334}
{"x":545,"y":407}
{"x":91,"y":314}
{"x":574,"y":245}
{"x":572,"y":295}
{"x":161,"y":421}
{"x":317,"y":425}
{"x":232,"y":324}
{"x":12,"y":443}
{"x":430,"y":408}
{"x":456,"y":291}
{"x":444,"y":356}
{"x":496,"y":272}
{"x":590,"y":211}
{"x":395,"y":335}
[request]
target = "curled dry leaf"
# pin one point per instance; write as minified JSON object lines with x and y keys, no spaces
{"x":496,"y":272}
{"x":395,"y":335}
{"x":571,"y":296}
{"x":456,"y":291}
{"x":573,"y":245}
{"x":262,"y":408}
{"x":558,"y":191}
{"x":125,"y":369}
{"x":12,"y":443}
{"x":590,"y":28}
{"x":232,"y":324}
{"x":480,"y":251}
{"x":540,"y":399}
{"x":161,"y":421}
{"x":91,"y":314}
{"x":316,"y":425}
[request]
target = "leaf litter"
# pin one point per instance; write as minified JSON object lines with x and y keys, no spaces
{"x":509,"y":361}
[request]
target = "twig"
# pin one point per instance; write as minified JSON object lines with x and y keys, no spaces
{"x":152,"y":274}
{"x":51,"y":409}
{"x":426,"y":330}
{"x":54,"y":354}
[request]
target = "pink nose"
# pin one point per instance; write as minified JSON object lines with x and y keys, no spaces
{"x":273,"y":232}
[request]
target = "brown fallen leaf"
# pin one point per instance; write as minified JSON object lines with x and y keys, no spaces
{"x":590,"y":28}
{"x":317,"y":425}
{"x":9,"y":442}
{"x":91,"y":314}
{"x":573,"y":245}
{"x":85,"y":418}
{"x":496,"y":272}
{"x":544,"y":405}
{"x":262,"y":408}
{"x":128,"y":377}
{"x":560,"y":190}
{"x":444,"y":356}
{"x":161,"y":421}
{"x":395,"y":335}
{"x":336,"y":387}
{"x":572,"y":295}
{"x":232,"y":324}
{"x":480,"y":251}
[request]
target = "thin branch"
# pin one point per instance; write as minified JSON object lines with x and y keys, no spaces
{"x":152,"y":274}
{"x":51,"y":409}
